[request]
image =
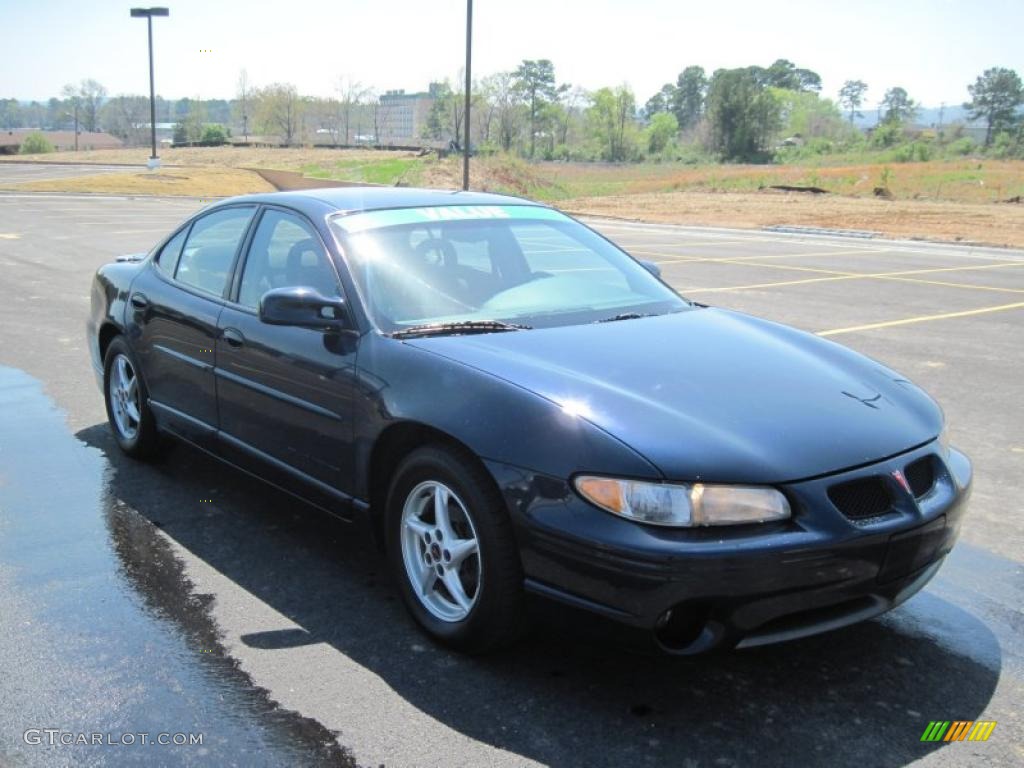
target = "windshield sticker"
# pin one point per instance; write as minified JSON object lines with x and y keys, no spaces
{"x":360,"y":222}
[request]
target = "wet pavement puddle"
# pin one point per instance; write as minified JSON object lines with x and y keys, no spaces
{"x":101,"y":631}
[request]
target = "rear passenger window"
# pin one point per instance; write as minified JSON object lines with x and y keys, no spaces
{"x":206,"y":258}
{"x":167,"y":260}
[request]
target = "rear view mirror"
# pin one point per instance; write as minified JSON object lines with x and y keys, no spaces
{"x":304,"y":308}
{"x":651,"y":267}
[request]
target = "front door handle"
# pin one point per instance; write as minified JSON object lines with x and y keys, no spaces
{"x":139,"y":300}
{"x":233,"y":337}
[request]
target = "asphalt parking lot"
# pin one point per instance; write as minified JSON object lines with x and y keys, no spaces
{"x":184,"y":597}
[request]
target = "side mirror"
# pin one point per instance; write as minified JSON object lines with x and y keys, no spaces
{"x":304,"y":308}
{"x":651,"y":267}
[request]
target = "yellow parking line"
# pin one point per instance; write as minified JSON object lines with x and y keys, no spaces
{"x":948,"y":285}
{"x":898,"y":273}
{"x":670,"y":258}
{"x":847,"y":276}
{"x":702,"y":243}
{"x":955,"y":269}
{"x":921,"y":319}
{"x":805,"y":281}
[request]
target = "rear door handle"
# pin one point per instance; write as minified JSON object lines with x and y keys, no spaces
{"x":233,"y":337}
{"x":139,"y":301}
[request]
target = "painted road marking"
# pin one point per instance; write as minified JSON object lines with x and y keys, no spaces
{"x":833,"y":277}
{"x":672,"y":258}
{"x":921,"y":319}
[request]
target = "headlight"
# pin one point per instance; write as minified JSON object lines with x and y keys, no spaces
{"x":684,"y":505}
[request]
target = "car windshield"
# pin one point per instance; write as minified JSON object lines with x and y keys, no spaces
{"x":520,"y":264}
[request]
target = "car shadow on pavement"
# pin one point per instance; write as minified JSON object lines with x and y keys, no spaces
{"x":575,"y":691}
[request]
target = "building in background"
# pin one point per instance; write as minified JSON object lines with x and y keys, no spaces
{"x":401,"y":115}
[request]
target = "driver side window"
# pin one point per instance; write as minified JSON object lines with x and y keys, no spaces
{"x":285,"y":252}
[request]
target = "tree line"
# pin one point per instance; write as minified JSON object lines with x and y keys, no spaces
{"x":749,"y":114}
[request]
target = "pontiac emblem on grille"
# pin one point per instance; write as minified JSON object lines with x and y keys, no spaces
{"x":899,"y":478}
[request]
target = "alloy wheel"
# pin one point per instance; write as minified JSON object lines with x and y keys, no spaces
{"x":123,"y":390}
{"x":441,"y":551}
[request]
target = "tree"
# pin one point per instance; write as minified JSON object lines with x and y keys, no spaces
{"x":34,"y":144}
{"x":612,"y":122}
{"x":10,"y":114}
{"x":662,"y":129}
{"x":195,"y":121}
{"x":744,"y":115}
{"x":444,"y":120}
{"x":328,"y":115}
{"x":661,"y":101}
{"x":242,"y":102}
{"x":851,"y":96}
{"x":279,"y":111}
{"x":55,"y":113}
{"x":91,"y":95}
{"x":535,"y":80}
{"x":351,"y":93}
{"x":899,"y":107}
{"x":34,"y":115}
{"x":574,"y":100}
{"x":995,"y":97}
{"x":381,"y":114}
{"x":501,"y":91}
{"x":126,"y":117}
{"x":214,"y":134}
{"x":688,"y":97}
{"x":786,"y":75}
{"x":72,"y":108}
{"x":806,"y":114}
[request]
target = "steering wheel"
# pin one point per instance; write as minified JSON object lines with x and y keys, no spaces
{"x":436,"y":252}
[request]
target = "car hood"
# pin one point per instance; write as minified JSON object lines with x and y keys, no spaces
{"x":713,"y":395}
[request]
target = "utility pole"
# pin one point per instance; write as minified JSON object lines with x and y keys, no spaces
{"x":148,"y":14}
{"x":469,"y":93}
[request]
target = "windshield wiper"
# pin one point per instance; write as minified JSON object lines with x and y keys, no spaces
{"x":626,"y":316}
{"x":462,"y":327}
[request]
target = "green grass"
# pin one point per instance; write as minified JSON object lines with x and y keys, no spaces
{"x":388,"y":171}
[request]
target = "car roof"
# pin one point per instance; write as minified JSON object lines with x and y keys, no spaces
{"x":356,"y":199}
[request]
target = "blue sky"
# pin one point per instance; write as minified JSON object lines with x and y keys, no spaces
{"x":933,"y":48}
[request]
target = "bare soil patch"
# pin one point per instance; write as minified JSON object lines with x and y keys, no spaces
{"x":987,"y":223}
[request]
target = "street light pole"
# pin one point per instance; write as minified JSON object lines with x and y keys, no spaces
{"x":469,"y":94}
{"x":148,"y":14}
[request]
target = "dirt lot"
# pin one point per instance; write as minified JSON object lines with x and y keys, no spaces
{"x":991,"y":223}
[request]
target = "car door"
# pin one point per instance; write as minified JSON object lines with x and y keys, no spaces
{"x":173,"y":309}
{"x":285,"y":393}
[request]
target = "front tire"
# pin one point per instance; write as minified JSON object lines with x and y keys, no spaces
{"x":126,"y":398}
{"x":452,"y":551}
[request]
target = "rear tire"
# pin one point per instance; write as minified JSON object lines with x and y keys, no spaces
{"x":127,"y":400}
{"x":459,"y":573}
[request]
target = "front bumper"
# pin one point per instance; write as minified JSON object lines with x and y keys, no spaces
{"x":746,"y":585}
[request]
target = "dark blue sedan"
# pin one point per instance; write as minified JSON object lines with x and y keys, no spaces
{"x":519,"y":406}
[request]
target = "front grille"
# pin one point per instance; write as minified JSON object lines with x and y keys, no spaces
{"x":861,"y":498}
{"x":920,"y":476}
